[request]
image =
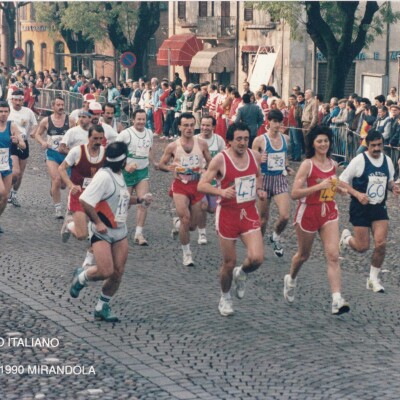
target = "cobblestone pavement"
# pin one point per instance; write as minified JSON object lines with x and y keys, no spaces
{"x":172,"y":343}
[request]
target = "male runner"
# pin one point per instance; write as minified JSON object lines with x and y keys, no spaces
{"x":25,"y":120}
{"x":55,"y":125}
{"x":9,"y":135}
{"x":188,"y":155}
{"x":136,"y":174}
{"x":240,"y":182}
{"x":274,"y":168}
{"x":367,"y":178}
{"x":78,"y":134}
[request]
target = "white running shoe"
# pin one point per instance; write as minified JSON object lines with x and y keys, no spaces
{"x":176,"y":223}
{"x":340,"y":306}
{"x":240,"y":282}
{"x":202,"y":239}
{"x":188,"y":260}
{"x":140,"y":240}
{"x":375,"y":285}
{"x":59,"y":214}
{"x":289,"y":288}
{"x":65,"y":232}
{"x":276,"y":245}
{"x":342,"y":243}
{"x":225,"y":307}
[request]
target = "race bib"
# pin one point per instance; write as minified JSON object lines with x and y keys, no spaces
{"x":142,"y":151}
{"x":376,"y":189}
{"x":86,"y":182}
{"x":55,"y":141}
{"x":276,"y":161}
{"x":245,"y":188}
{"x":4,"y":159}
{"x":329,"y":194}
{"x":123,"y":204}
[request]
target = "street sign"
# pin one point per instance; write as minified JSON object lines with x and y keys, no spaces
{"x":18,"y":53}
{"x":128,"y":59}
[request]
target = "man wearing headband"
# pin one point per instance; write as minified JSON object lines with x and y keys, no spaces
{"x":78,"y":134}
{"x":106,"y":201}
{"x":25,"y":120}
{"x":55,"y":125}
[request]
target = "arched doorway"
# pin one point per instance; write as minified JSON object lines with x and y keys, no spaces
{"x":59,"y":61}
{"x":43,"y":56}
{"x":29,"y":55}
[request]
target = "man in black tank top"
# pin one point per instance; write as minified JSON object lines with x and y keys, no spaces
{"x":55,"y":126}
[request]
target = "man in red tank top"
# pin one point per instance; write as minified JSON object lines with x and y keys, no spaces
{"x":237,"y":171}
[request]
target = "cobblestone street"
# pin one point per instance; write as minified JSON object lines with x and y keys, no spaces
{"x":172,"y":343}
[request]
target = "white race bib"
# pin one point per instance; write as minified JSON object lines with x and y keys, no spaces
{"x":55,"y":141}
{"x":376,"y":189}
{"x":276,"y":161}
{"x":245,"y":188}
{"x":123,"y":204}
{"x":4,"y":159}
{"x":86,"y":182}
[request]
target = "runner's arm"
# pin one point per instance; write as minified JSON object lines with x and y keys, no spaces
{"x":166,"y":158}
{"x":40,"y":132}
{"x":16,"y":137}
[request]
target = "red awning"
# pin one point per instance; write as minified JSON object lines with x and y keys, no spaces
{"x":181,"y":49}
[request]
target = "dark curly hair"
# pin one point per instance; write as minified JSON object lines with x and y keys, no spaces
{"x":311,"y":136}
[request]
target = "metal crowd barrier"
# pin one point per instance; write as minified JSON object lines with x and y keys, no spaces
{"x":74,"y":101}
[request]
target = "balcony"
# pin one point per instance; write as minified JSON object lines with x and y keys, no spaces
{"x":216,"y":28}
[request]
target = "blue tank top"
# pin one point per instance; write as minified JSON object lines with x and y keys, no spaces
{"x":373,"y":181}
{"x":5,"y":145}
{"x":276,"y":162}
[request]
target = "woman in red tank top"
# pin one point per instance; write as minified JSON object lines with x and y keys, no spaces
{"x":315,"y":186}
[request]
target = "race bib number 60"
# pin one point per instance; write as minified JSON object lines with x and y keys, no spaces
{"x":376,"y":189}
{"x":245,"y":188}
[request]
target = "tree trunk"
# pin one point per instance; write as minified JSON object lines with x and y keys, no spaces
{"x":10,"y":18}
{"x":337,"y":71}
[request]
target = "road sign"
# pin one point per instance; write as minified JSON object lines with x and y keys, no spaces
{"x":18,"y":53}
{"x":128,"y":59}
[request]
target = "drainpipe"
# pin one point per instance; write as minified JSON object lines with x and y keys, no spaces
{"x":237,"y":44}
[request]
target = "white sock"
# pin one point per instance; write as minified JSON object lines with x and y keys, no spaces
{"x":103,"y":299}
{"x":186,"y":248}
{"x":89,"y":259}
{"x":374,"y":272}
{"x":57,"y":206}
{"x":347,"y":240}
{"x":275,"y":237}
{"x":177,"y":224}
{"x":70,"y":225}
{"x":336,"y":296}
{"x":226,"y":296}
{"x":241,"y":272}
{"x":291,"y":280}
{"x":202,"y":230}
{"x":139,"y":230}
{"x":13,"y":193}
{"x":83,"y":278}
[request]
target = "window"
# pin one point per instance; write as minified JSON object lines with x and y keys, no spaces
{"x":151,"y":48}
{"x":29,"y":55}
{"x":202,"y":9}
{"x":43,"y":56}
{"x":22,"y":14}
{"x":248,"y":13}
{"x":59,"y":59}
{"x":212,"y":9}
{"x":32,"y":12}
{"x":182,"y":9}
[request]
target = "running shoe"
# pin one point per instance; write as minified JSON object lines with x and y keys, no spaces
{"x":289,"y":288}
{"x":14,"y":201}
{"x":240,"y":282}
{"x":188,"y":260}
{"x":340,"y":306}
{"x":175,"y":227}
{"x":59,"y":214}
{"x":342,"y":243}
{"x":375,"y":285}
{"x":65,"y":232}
{"x":277,"y":247}
{"x":225,"y":307}
{"x":202,"y":239}
{"x":76,"y":286}
{"x":140,"y":240}
{"x":105,"y":314}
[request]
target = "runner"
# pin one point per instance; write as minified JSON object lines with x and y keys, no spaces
{"x":110,"y":125}
{"x":367,"y":178}
{"x":84,"y":160}
{"x":55,"y":125}
{"x":9,"y":135}
{"x":239,"y":182}
{"x":136,"y":174}
{"x":106,"y":201}
{"x":274,"y":167}
{"x":215,"y":145}
{"x":78,"y":134}
{"x":188,"y":155}
{"x":26,"y":123}
{"x":315,"y":187}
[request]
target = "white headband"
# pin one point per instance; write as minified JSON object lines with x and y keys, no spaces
{"x":17,"y":97}
{"x":119,"y":158}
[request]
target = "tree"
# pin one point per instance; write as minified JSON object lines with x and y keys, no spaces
{"x":128,"y":25}
{"x":10,"y":9}
{"x":340,"y":30}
